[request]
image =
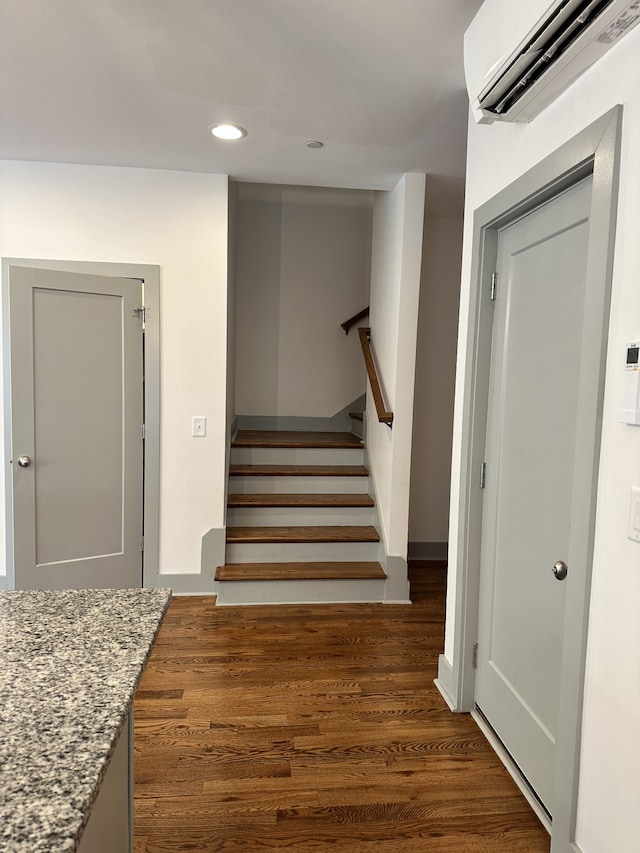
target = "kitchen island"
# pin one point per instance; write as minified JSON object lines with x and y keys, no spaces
{"x":70,"y":661}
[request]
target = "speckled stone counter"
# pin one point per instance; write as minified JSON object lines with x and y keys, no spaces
{"x":70,"y":661}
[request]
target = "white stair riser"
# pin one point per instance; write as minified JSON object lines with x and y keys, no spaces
{"x":300,"y":552}
{"x":298,"y":485}
{"x":296,"y":456}
{"x":300,"y":592}
{"x":357,"y":427}
{"x":291,"y":517}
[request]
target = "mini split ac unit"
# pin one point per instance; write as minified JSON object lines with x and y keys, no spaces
{"x":521,"y":54}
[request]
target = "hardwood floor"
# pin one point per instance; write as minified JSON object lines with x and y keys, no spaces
{"x":298,"y":471}
{"x":295,"y":501}
{"x":283,"y":438}
{"x":304,"y":533}
{"x":315,"y":728}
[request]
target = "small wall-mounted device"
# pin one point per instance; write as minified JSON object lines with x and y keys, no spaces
{"x":630,"y":408}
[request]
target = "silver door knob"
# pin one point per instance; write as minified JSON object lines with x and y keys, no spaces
{"x":560,"y":570}
{"x":24,"y":461}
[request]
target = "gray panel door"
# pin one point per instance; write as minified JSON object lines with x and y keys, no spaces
{"x":77,"y":411}
{"x":533,"y":509}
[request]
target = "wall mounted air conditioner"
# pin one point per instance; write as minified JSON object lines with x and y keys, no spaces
{"x":520,"y":54}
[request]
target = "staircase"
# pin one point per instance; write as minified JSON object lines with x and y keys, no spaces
{"x":299,"y":521}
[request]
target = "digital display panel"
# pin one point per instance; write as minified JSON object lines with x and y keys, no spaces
{"x":632,"y":354}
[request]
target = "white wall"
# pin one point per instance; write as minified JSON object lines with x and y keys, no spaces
{"x":179,"y":222}
{"x":304,"y":259}
{"x":232,"y":275}
{"x":608,"y":818}
{"x":395,"y":285}
{"x":435,"y":380}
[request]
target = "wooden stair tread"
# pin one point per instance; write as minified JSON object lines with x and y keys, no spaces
{"x":298,"y":471}
{"x":357,"y":416}
{"x":300,"y":571}
{"x":295,"y":438}
{"x":294,"y":500}
{"x":304,"y":533}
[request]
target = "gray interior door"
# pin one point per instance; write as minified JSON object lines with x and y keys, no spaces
{"x":533,"y":508}
{"x":77,"y":413}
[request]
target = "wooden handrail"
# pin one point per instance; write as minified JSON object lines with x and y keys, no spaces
{"x":384,"y":416}
{"x":353,"y":320}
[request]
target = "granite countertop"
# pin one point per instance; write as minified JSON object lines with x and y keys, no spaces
{"x":70,"y":661}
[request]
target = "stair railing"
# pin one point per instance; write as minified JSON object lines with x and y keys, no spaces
{"x":384,"y":416}
{"x":355,"y":319}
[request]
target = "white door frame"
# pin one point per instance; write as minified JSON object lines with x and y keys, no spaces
{"x":596,"y":151}
{"x":150,"y":276}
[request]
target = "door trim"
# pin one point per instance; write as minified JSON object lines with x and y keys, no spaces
{"x":150,"y":276}
{"x":596,"y":151}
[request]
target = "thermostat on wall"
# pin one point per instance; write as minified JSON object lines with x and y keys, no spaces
{"x":630,"y":409}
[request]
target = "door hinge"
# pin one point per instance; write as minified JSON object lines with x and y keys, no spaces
{"x":494,"y":284}
{"x":142,"y":543}
{"x":141,"y":314}
{"x":143,"y":431}
{"x":483,"y":475}
{"x":475,"y":655}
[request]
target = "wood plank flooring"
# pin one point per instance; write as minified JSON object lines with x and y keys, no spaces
{"x":298,"y":471}
{"x":304,"y":533}
{"x":315,"y":728}
{"x":295,"y":438}
{"x":267,"y":499}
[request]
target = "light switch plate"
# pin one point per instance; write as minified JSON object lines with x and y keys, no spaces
{"x":634,"y":514}
{"x":198,"y":427}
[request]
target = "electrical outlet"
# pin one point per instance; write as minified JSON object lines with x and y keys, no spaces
{"x":198,"y":427}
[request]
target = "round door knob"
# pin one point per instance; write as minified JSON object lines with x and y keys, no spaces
{"x":560,"y":570}
{"x":24,"y":461}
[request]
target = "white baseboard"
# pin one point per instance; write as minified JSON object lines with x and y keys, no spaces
{"x":444,"y":694}
{"x":445,"y":682}
{"x":186,"y":584}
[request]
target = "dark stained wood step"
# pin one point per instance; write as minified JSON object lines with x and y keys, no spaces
{"x":300,"y":571}
{"x":298,"y":471}
{"x":304,"y":533}
{"x":357,"y":416}
{"x":296,"y":438}
{"x":308,"y":500}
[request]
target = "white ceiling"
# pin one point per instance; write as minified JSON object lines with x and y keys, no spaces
{"x":137,"y":83}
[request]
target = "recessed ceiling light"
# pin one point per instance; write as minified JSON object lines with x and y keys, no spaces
{"x":228,"y":131}
{"x":315,"y":143}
